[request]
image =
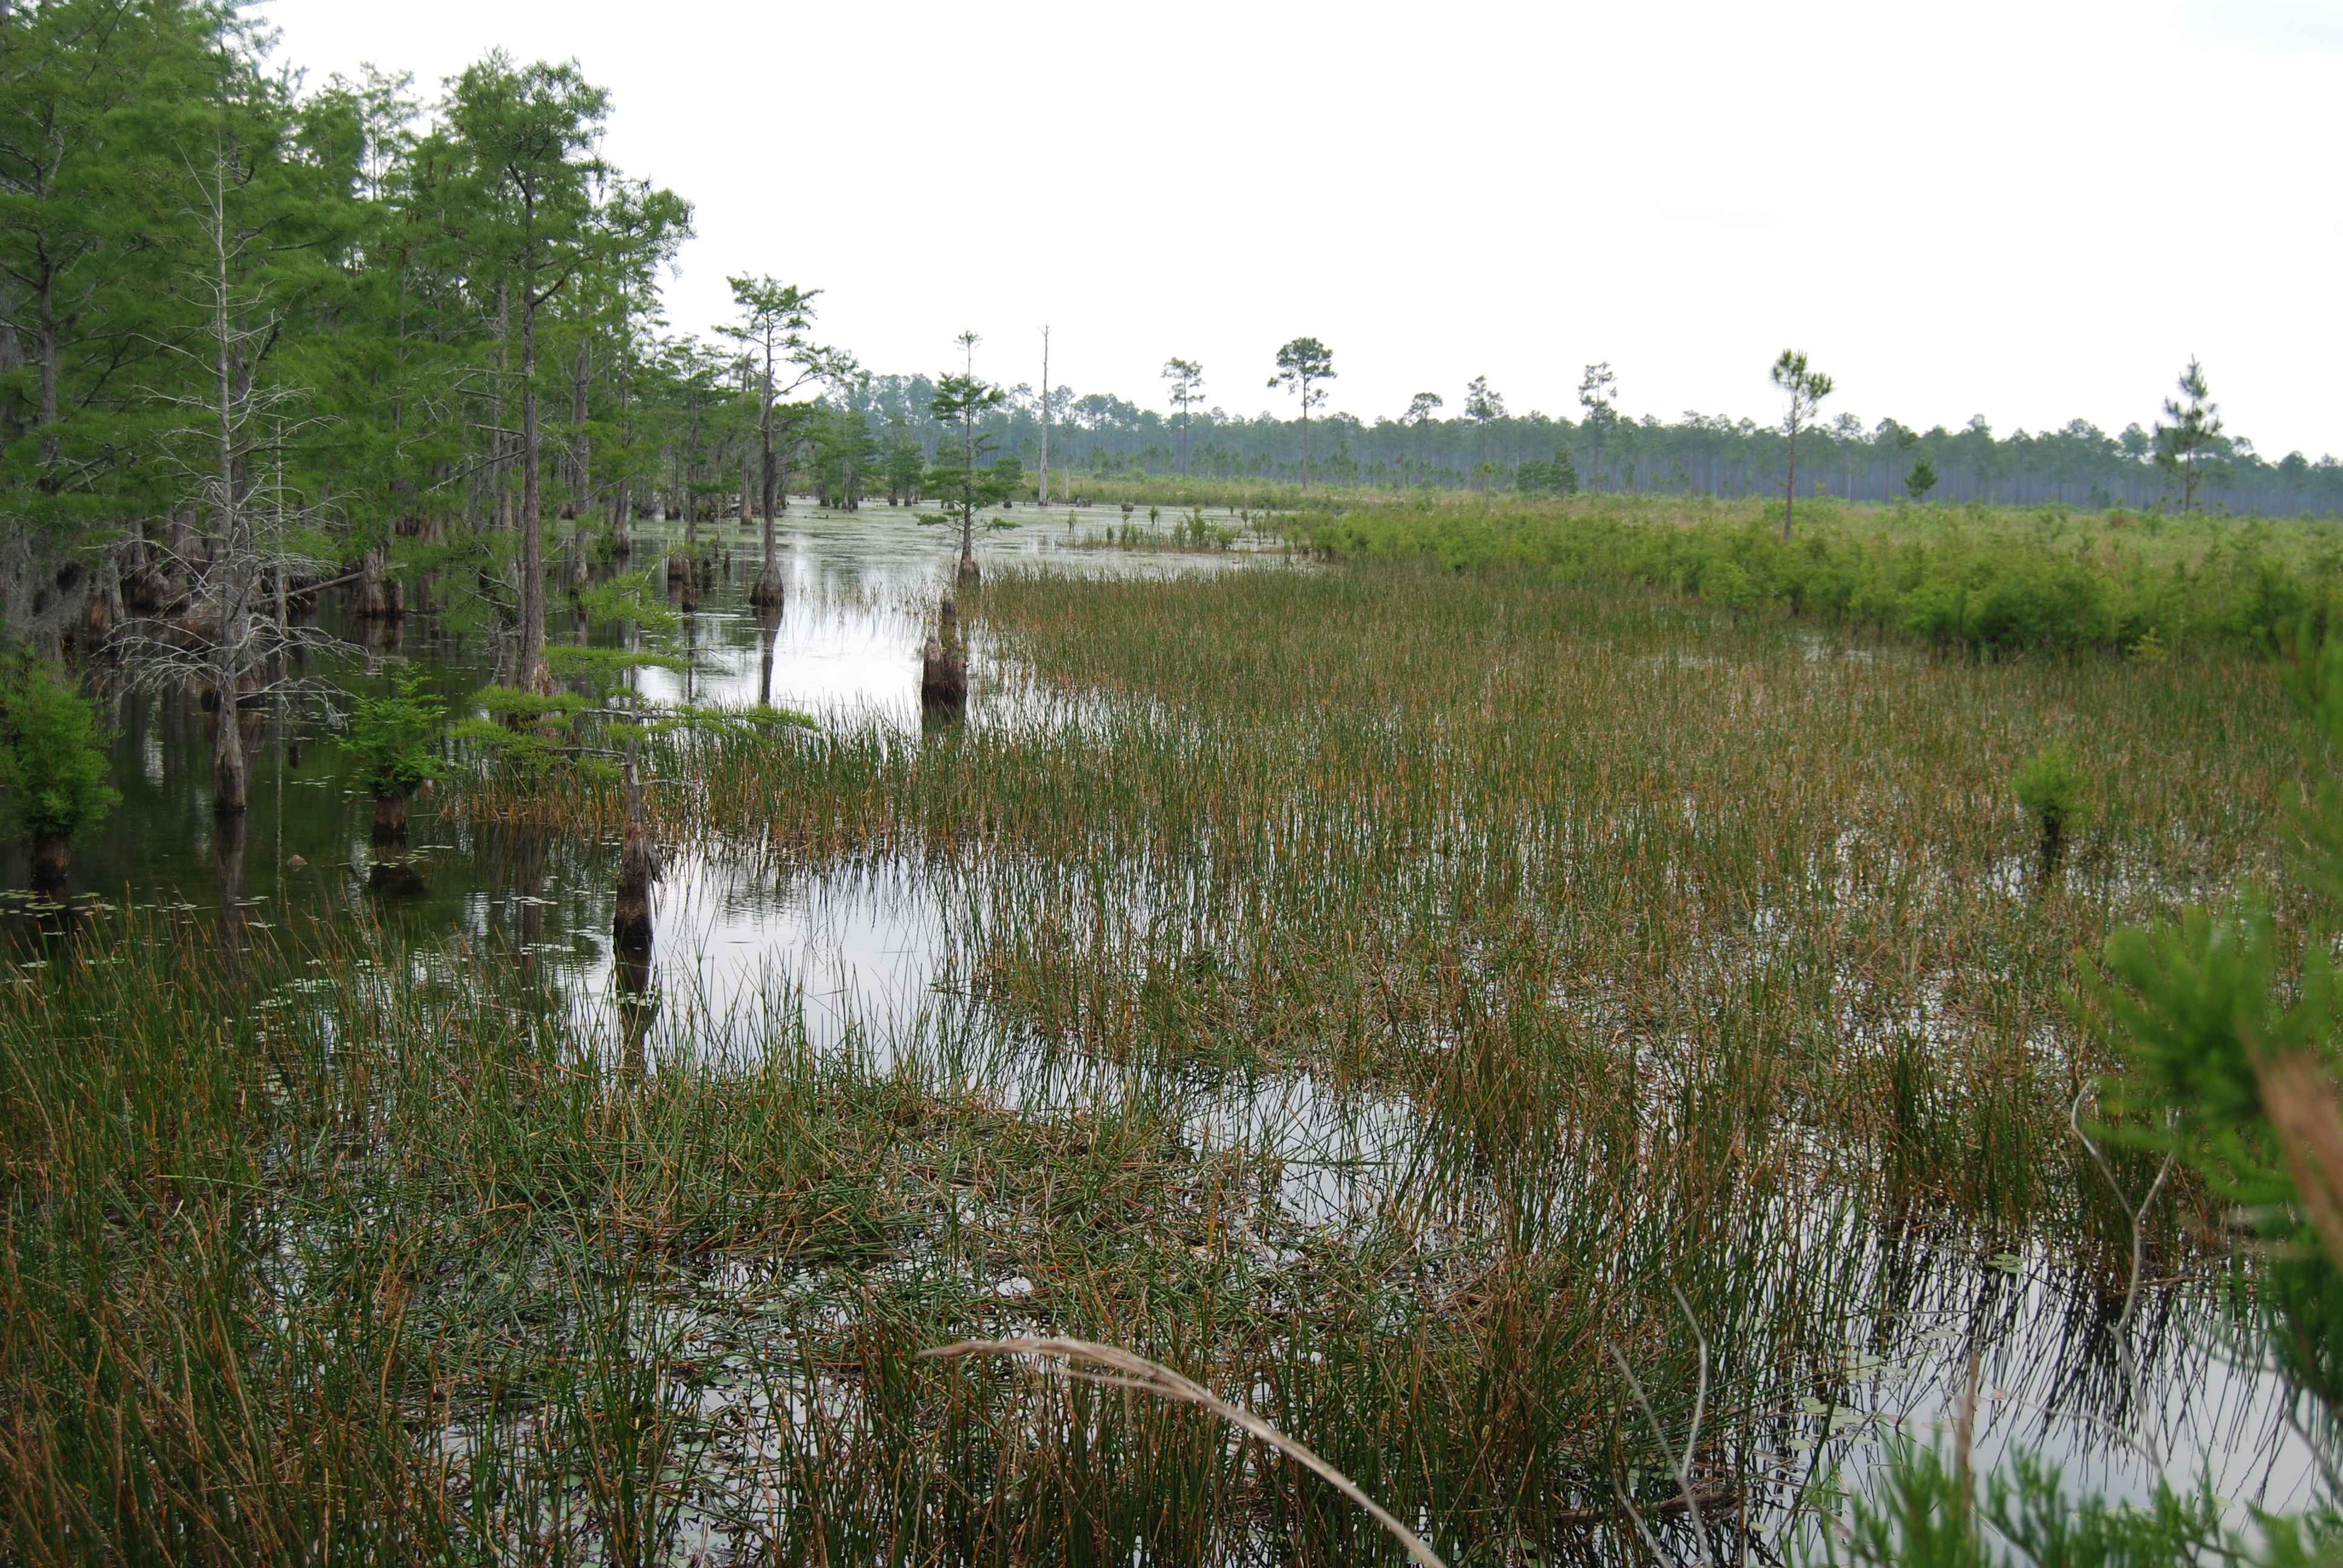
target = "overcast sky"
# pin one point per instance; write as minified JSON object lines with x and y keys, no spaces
{"x":2033,"y":211}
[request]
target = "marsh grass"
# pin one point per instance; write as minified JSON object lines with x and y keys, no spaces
{"x":1370,"y":993}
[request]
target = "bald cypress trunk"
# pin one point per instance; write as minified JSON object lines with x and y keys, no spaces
{"x":630,"y":925}
{"x":580,"y":461}
{"x":532,"y":671}
{"x":52,"y":860}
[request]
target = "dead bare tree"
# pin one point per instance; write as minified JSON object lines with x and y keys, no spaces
{"x":224,"y":637}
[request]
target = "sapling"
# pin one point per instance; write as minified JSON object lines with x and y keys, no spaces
{"x":2050,"y":786}
{"x":53,"y":765}
{"x":396,"y":740}
{"x":960,"y":399}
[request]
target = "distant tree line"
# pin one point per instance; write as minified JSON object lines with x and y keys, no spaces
{"x":1602,"y":450}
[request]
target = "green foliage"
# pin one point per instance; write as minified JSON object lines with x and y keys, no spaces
{"x":1004,"y":480}
{"x":2203,"y":1010}
{"x":1926,"y":1513}
{"x":509,"y":702}
{"x":2231,"y":1070}
{"x":1806,"y":387}
{"x":904,"y":466}
{"x":962,"y":399}
{"x":605,"y":666}
{"x":1980,"y":587}
{"x":54,"y":771}
{"x":394,"y":737}
{"x":1920,"y":480}
{"x":1539,"y":478}
{"x":1304,"y":365}
{"x":631,"y":596}
{"x":2051,"y":788}
{"x":2188,"y":439}
{"x":847,"y":456}
{"x":529,"y":756}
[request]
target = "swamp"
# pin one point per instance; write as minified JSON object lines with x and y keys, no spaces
{"x":628,"y":945}
{"x":1524,"y":977}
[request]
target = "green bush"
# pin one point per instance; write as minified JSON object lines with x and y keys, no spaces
{"x":396,"y":739}
{"x":54,"y":769}
{"x":1925,"y":1512}
{"x":2051,"y":788}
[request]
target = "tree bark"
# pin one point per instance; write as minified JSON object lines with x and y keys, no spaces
{"x":766,"y":592}
{"x":532,"y":671}
{"x":968,"y":573}
{"x":229,"y":768}
{"x":630,"y":925}
{"x":233,"y":565}
{"x":228,"y":842}
{"x":580,"y":460}
{"x":52,"y":860}
{"x":943,"y":675}
{"x":1305,"y":433}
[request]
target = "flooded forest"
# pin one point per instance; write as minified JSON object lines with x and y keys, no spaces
{"x":633,"y":946}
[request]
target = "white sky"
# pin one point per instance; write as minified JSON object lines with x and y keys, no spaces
{"x":2035,"y":210}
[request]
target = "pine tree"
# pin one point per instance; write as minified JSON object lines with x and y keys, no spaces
{"x":2188,"y":441}
{"x":1304,"y":366}
{"x":1805,"y":388}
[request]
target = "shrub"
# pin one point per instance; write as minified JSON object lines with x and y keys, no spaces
{"x":54,"y":769}
{"x":396,"y":737}
{"x":2051,"y":788}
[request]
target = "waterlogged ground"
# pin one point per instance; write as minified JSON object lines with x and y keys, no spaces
{"x":1302,"y":1139}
